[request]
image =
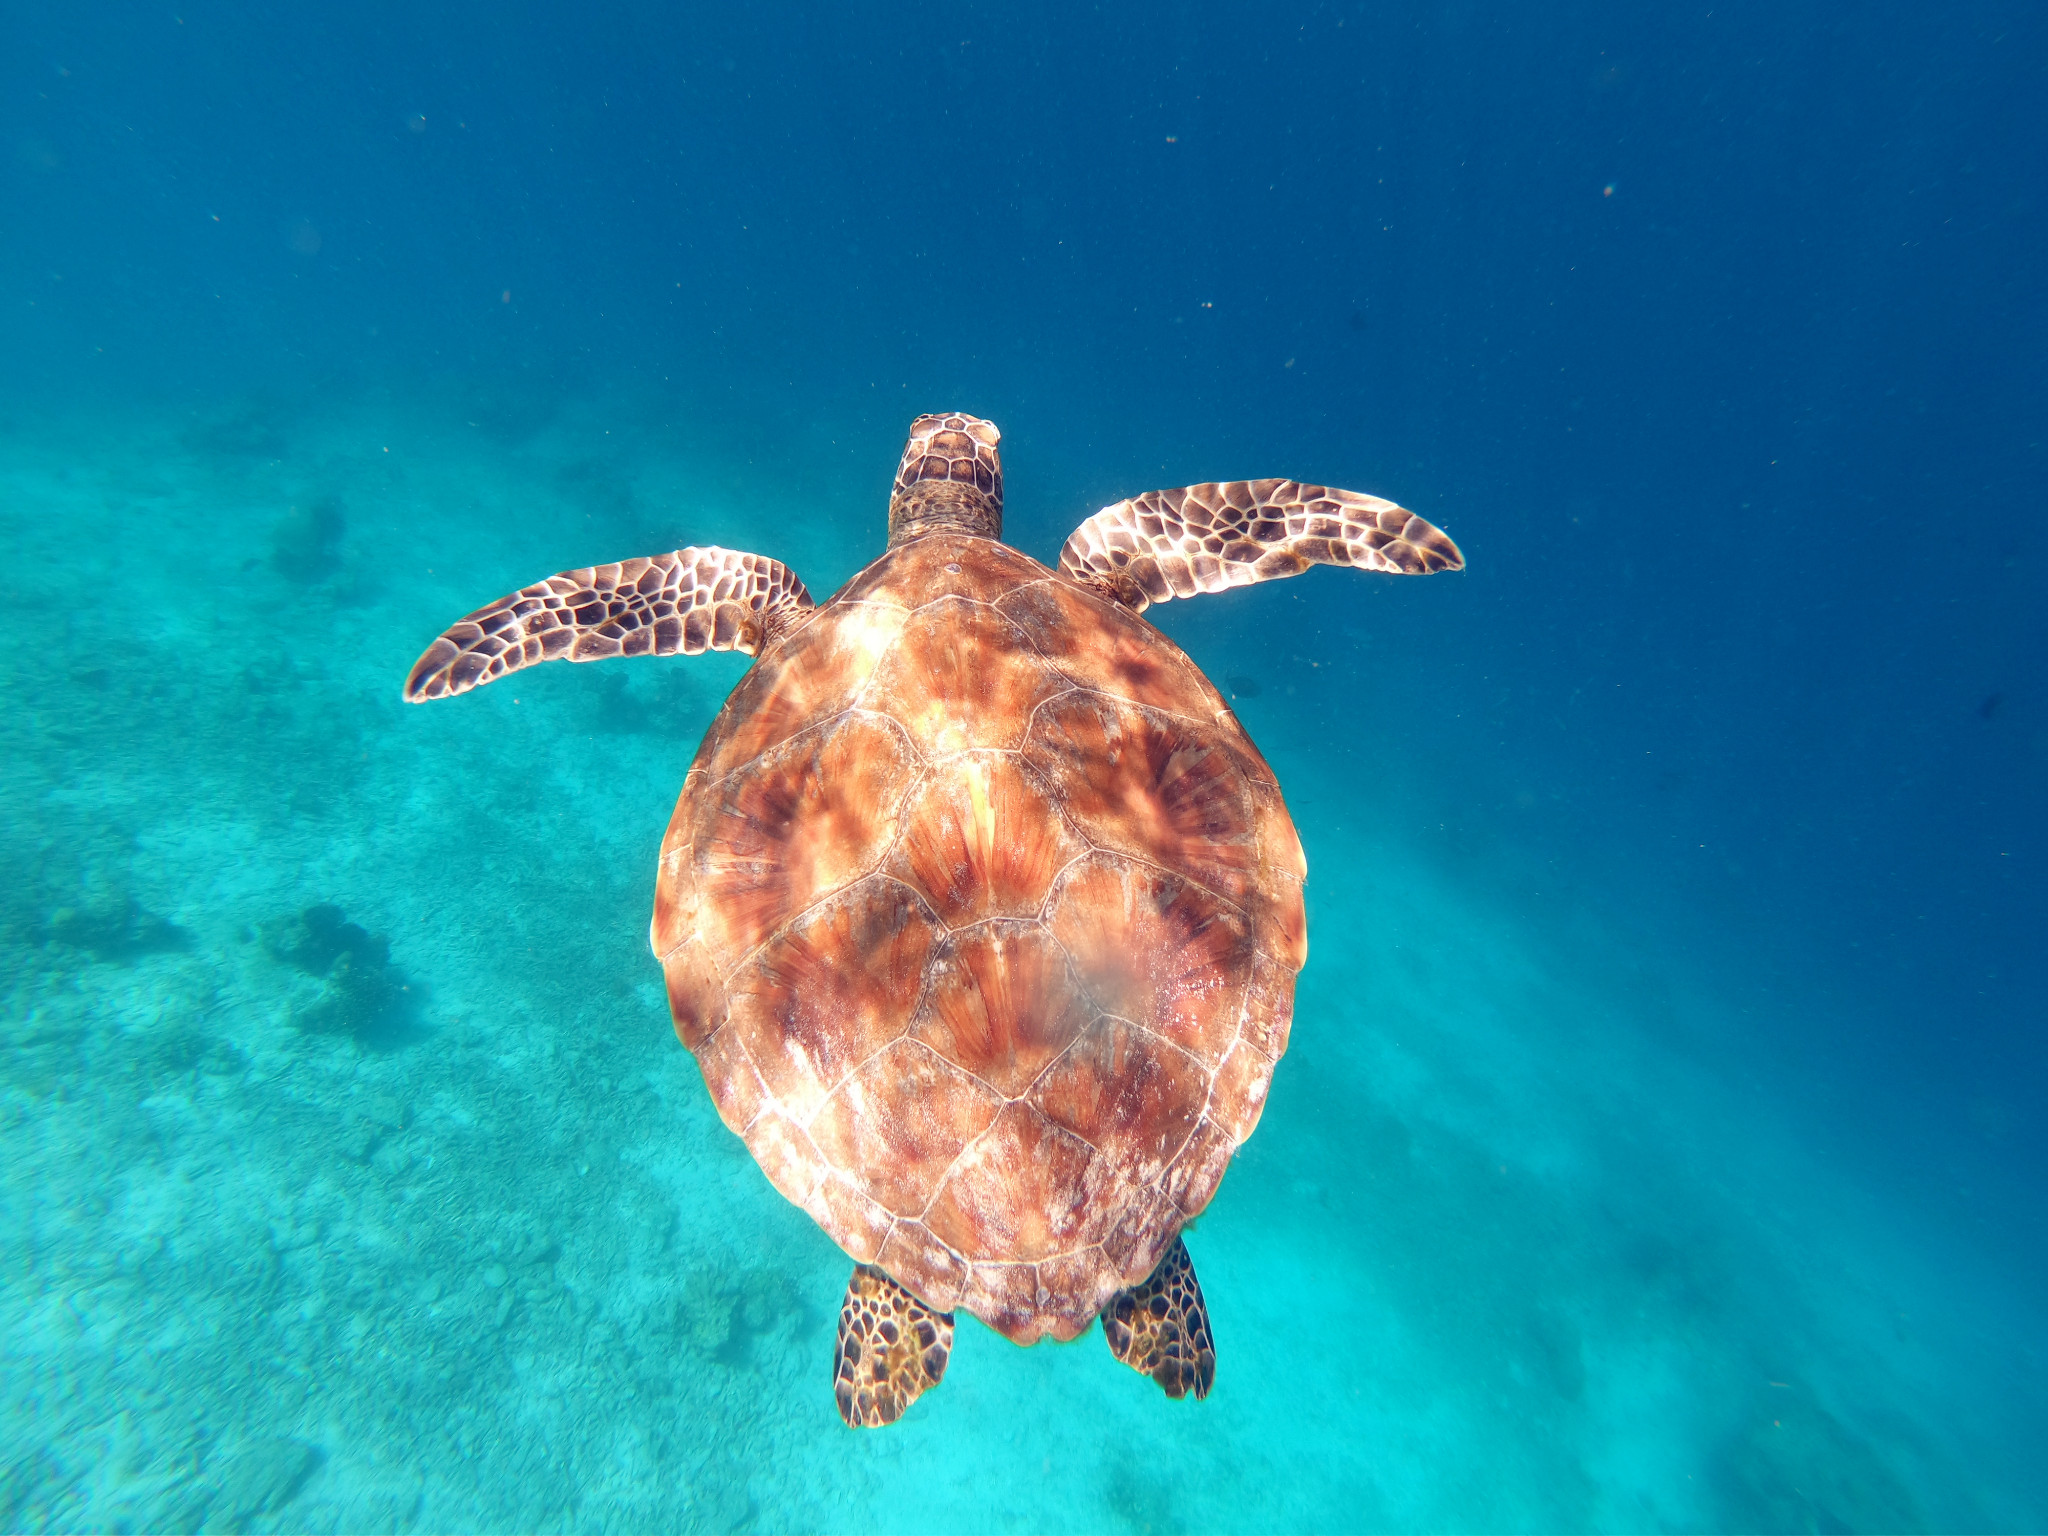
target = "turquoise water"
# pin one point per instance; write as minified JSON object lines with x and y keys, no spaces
{"x":1659,"y":1146}
{"x":427,"y":1222}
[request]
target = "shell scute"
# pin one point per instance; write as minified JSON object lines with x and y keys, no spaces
{"x":1164,"y":789}
{"x":1097,"y":645}
{"x":814,"y":674}
{"x":1019,"y":1195}
{"x":733,"y":1080}
{"x":787,"y":1156}
{"x":1276,"y":897}
{"x":808,"y":818}
{"x":1008,"y":1297}
{"x":1268,"y":1007}
{"x":960,"y":676}
{"x":830,"y":990}
{"x":1153,"y":947}
{"x":1238,"y":1096}
{"x":983,"y":837}
{"x":1132,"y":1244}
{"x":1192,"y":1179}
{"x":898,"y":1122}
{"x":1002,"y":1004}
{"x":696,"y":992}
{"x":859,"y":1221}
{"x":1126,"y":1093}
{"x":943,"y":565}
{"x":941,"y":1273}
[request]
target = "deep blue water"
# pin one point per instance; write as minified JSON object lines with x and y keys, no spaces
{"x":1661,"y":1144}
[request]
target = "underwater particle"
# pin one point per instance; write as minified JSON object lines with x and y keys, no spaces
{"x":1993,"y":702}
{"x":417,"y":123}
{"x":1608,"y":190}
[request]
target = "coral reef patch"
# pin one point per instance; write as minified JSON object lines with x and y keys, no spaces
{"x":361,"y":994}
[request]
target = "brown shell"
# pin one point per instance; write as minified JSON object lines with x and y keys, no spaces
{"x":982,"y":915}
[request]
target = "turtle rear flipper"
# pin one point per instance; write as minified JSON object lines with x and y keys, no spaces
{"x":1207,"y":538}
{"x":892,"y":1349}
{"x":690,"y":600}
{"x":1161,"y":1328}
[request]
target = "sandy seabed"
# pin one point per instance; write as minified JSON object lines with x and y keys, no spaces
{"x":354,"y":1179}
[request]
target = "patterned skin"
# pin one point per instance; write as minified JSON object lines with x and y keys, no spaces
{"x":891,"y":1348}
{"x":1162,"y":1328}
{"x":1208,"y":538}
{"x":979,"y":910}
{"x":690,"y":601}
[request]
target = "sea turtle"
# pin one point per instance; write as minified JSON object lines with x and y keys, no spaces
{"x":979,"y":910}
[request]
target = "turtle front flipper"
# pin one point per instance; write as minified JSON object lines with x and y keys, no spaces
{"x":1161,"y":1328}
{"x":692,"y":600}
{"x":892,"y":1349}
{"x":1206,"y":538}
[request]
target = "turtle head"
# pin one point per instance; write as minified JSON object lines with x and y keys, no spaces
{"x":950,"y":479}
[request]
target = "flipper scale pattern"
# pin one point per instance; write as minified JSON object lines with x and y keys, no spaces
{"x":1208,"y":538}
{"x":702,"y":598}
{"x":892,"y":1348}
{"x":1161,"y":1328}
